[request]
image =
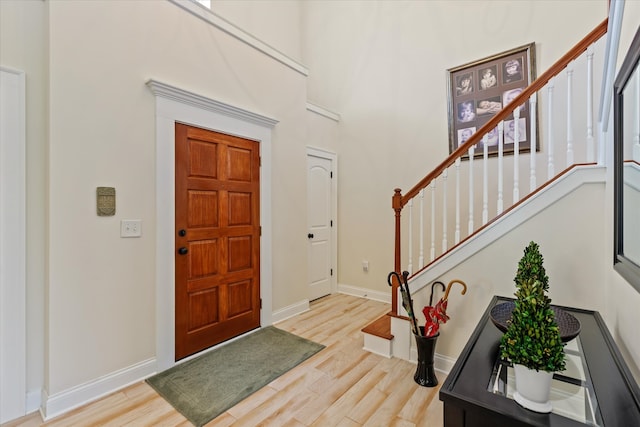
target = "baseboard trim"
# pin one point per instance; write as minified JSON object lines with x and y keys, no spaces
{"x":62,"y":402}
{"x":302,"y":306}
{"x":441,"y":363}
{"x":290,"y":311}
{"x":365,"y":293}
{"x":34,"y":400}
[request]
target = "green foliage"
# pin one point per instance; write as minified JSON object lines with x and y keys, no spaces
{"x":530,"y":267}
{"x":533,"y":336}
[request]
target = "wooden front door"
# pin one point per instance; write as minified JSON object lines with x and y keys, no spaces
{"x":217,"y":238}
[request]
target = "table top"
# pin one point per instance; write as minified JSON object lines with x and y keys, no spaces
{"x":604,"y":380}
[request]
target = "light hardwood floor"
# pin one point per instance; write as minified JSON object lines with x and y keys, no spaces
{"x":342,"y":385}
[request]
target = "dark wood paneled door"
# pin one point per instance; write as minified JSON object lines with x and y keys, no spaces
{"x":217,"y":238}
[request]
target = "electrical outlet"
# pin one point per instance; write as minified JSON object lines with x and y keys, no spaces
{"x":131,"y":228}
{"x":365,"y":266}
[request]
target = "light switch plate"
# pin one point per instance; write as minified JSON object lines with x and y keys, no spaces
{"x":131,"y":228}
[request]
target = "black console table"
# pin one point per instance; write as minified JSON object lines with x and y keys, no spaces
{"x":597,"y":388}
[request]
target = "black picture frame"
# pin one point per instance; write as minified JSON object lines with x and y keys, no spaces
{"x":626,"y":170}
{"x":479,"y":89}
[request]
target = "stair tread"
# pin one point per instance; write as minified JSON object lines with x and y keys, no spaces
{"x":380,"y":327}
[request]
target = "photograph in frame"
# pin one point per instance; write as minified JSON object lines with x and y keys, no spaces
{"x":480,"y":89}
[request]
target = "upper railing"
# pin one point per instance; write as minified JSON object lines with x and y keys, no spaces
{"x":443,"y":216}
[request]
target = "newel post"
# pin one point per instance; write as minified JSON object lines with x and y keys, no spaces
{"x":396,"y":203}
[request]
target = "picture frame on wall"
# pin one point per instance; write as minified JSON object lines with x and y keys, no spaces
{"x":480,"y":89}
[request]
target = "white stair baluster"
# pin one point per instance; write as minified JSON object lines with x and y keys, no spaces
{"x":533,"y":107}
{"x":569,"y":113}
{"x":410,"y":265}
{"x":550,"y":165}
{"x":472,"y":151}
{"x":485,"y":180}
{"x":433,"y":220}
{"x":500,"y":206}
{"x":457,"y":232}
{"x":421,"y":256}
{"x":444,"y":210}
{"x":591,"y":155}
{"x":516,"y":155}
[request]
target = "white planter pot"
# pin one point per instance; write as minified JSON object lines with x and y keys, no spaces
{"x":533,"y":389}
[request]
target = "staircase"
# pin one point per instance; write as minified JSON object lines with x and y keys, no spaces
{"x":561,"y":105}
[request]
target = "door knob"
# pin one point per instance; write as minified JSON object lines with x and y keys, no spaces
{"x":183,"y":251}
{"x":182,"y":233}
{"x":310,"y":235}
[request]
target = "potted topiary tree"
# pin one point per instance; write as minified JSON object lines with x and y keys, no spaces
{"x":532,"y":341}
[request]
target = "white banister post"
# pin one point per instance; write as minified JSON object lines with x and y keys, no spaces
{"x":433,"y":220}
{"x":636,"y":123}
{"x":591,"y":155}
{"x":533,"y":107}
{"x":445,"y":173}
{"x":516,"y":155}
{"x":457,"y":233}
{"x":472,"y":152}
{"x":410,"y":265}
{"x":500,"y":206}
{"x":421,"y":257}
{"x":550,"y":166}
{"x":485,"y":180}
{"x":569,"y":114}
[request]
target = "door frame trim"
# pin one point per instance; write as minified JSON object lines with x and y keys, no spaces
{"x":333,"y":157}
{"x":177,"y":105}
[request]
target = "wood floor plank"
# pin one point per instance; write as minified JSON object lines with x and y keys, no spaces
{"x":285,"y":414}
{"x":340,"y":409}
{"x":331,"y":389}
{"x":399,"y":386}
{"x":222,"y":420}
{"x":365,"y":408}
{"x":255,"y":400}
{"x":270,"y":407}
{"x":417,"y":405}
{"x":346,"y":422}
{"x":342,"y":385}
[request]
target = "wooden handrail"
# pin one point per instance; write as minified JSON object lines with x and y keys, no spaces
{"x":399,"y":200}
{"x":534,"y":87}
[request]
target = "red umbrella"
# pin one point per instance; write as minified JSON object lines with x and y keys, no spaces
{"x":438,"y":314}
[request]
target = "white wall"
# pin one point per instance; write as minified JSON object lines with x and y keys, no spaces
{"x":276,"y":22}
{"x":362,"y":55}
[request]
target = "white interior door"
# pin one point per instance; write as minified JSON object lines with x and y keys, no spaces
{"x":321,"y":210}
{"x":12,"y":246}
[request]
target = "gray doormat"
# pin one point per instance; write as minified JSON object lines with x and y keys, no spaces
{"x":204,"y":387}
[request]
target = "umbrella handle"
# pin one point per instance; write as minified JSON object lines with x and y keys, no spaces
{"x":446,"y":293}
{"x":405,"y":276}
{"x":396,"y":275}
{"x":432,"y":285}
